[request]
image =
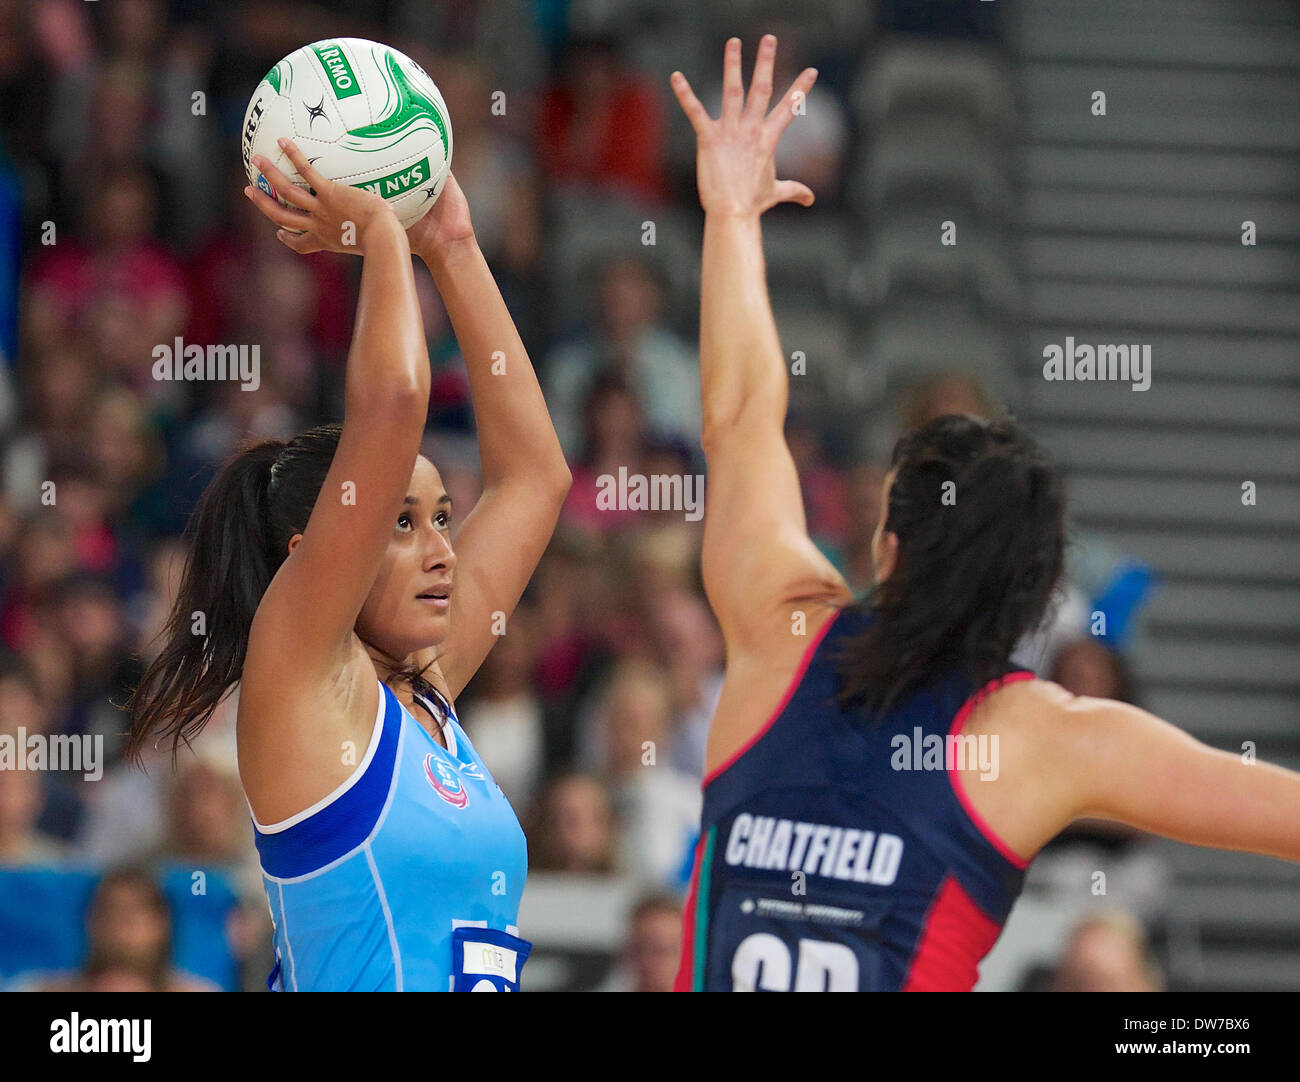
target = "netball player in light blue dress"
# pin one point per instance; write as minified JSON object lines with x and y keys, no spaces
{"x":331,"y":594}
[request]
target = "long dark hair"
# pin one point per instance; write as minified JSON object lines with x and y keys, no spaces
{"x":973,"y":573}
{"x":262,"y":495}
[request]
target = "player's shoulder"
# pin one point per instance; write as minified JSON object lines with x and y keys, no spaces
{"x":1049,"y":700}
{"x":1046,"y":715}
{"x":1025,"y":698}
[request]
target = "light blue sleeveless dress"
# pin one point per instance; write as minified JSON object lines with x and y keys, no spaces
{"x":408,"y":877}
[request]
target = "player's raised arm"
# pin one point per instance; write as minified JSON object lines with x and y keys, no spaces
{"x":525,"y":477}
{"x":311,"y":606}
{"x":757,"y":553}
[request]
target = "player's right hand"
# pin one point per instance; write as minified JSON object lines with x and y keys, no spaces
{"x":331,"y":217}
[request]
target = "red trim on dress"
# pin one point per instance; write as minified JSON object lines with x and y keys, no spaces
{"x":795,"y":681}
{"x":954,"y":777}
{"x":954,"y":939}
{"x":686,"y":966}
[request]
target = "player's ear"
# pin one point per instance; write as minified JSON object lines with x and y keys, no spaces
{"x":293,"y":541}
{"x":885,"y":555}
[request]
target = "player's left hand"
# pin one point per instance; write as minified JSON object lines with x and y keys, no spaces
{"x":446,"y":224}
{"x":324,"y":216}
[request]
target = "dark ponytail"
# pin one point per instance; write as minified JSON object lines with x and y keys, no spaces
{"x":262,"y":495}
{"x":974,"y":573}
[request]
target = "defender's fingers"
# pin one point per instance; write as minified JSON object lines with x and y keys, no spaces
{"x":760,"y":89}
{"x":733,"y":86}
{"x":779,"y":117}
{"x":695,"y":112}
{"x":281,"y":216}
{"x":791,"y":191}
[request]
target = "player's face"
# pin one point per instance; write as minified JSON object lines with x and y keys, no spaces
{"x":884,"y":545}
{"x":419,"y":561}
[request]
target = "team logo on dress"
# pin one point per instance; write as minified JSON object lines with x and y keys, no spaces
{"x":445,"y":783}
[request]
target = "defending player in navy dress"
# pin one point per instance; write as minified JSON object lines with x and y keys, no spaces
{"x":837,"y":853}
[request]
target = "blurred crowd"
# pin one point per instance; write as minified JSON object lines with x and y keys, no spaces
{"x":120,"y":130}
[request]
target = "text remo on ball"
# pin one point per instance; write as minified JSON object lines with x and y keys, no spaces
{"x":363,"y":113}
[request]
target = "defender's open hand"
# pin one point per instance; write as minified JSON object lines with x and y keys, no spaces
{"x":735,"y":173}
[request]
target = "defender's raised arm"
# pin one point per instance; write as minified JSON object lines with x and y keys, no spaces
{"x":757,"y":553}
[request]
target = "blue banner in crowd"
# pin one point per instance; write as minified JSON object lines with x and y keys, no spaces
{"x":43,"y":921}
